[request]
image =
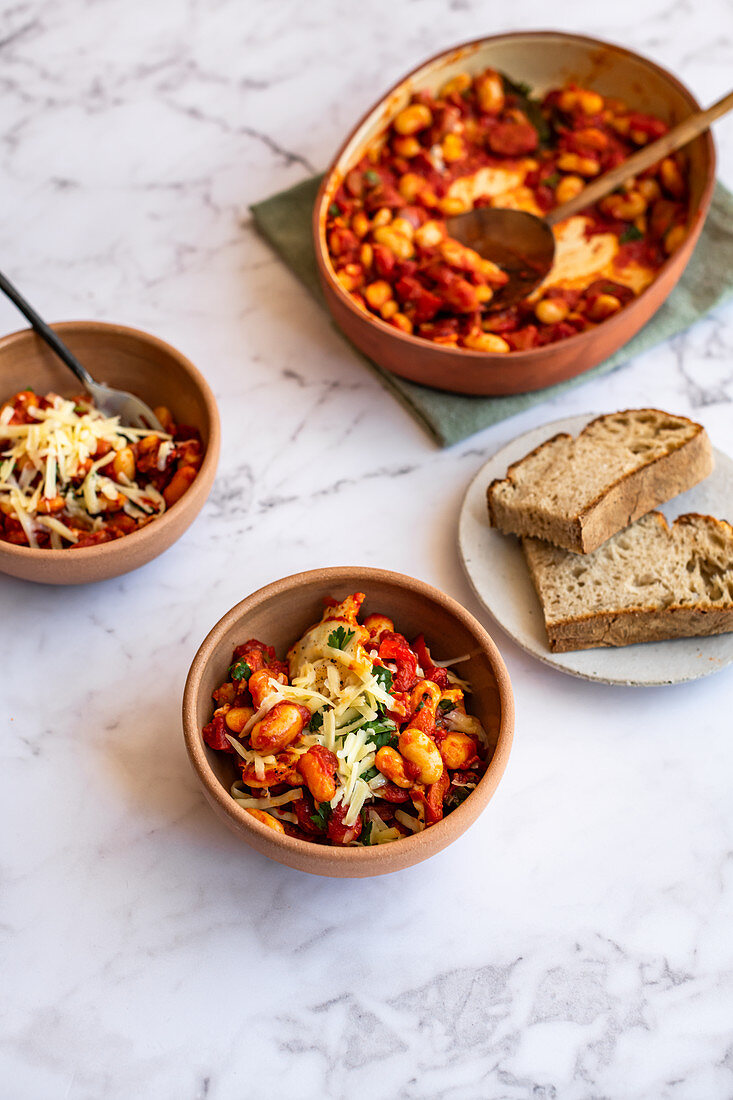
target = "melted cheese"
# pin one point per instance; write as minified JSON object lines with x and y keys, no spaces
{"x":579,"y":260}
{"x":489,"y":182}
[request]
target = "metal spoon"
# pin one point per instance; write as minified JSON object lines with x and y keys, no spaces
{"x":130,"y":409}
{"x":524,"y":244}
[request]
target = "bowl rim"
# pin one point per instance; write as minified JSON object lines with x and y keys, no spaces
{"x":323,"y":260}
{"x":152,"y":530}
{"x":419,"y":844}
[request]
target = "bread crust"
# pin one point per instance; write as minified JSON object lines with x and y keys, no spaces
{"x":622,"y":501}
{"x":634,"y":625}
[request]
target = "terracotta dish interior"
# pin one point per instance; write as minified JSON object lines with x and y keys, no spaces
{"x":278,"y":614}
{"x":543,"y":59}
{"x":130,"y":360}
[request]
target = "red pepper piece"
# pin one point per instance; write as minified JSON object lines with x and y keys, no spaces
{"x":390,"y":792}
{"x":647,"y":124}
{"x":425,"y":304}
{"x":435,"y":796}
{"x":215,"y":734}
{"x":513,"y":139}
{"x":394,"y":647}
{"x":384,"y":260}
{"x":337,"y":832}
{"x":439,"y":676}
{"x":304,"y":809}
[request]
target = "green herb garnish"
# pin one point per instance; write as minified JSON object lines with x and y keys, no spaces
{"x":321,"y":816}
{"x":340,"y":638}
{"x":383,"y":677}
{"x":366,"y":833}
{"x":369,"y":775}
{"x":520,"y":87}
{"x":372,"y":177}
{"x":529,"y":106}
{"x":240,"y":670}
{"x":316,"y":721}
{"x":630,"y":233}
{"x":552,"y":180}
{"x":445,"y":705}
{"x":381,"y":732}
{"x":457,"y":795}
{"x":334,"y":209}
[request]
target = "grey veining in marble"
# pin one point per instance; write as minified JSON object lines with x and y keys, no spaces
{"x":576,"y":943}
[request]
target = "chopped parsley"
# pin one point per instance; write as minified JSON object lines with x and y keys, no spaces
{"x":372,"y":177}
{"x":340,"y":638}
{"x":457,"y":795}
{"x":553,"y":180}
{"x":366,"y":833}
{"x":369,"y":775}
{"x":240,"y":670}
{"x":316,"y":721}
{"x":381,"y":731}
{"x":518,"y":87}
{"x":445,"y":705}
{"x":321,"y":816}
{"x":529,"y":106}
{"x":383,"y":677}
{"x":334,"y":209}
{"x":630,"y":233}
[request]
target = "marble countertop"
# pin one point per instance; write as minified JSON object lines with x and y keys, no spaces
{"x":576,"y":942}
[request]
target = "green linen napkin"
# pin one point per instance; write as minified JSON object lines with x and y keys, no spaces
{"x":285,"y":221}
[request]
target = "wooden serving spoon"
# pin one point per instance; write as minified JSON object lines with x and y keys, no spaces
{"x":523,"y":244}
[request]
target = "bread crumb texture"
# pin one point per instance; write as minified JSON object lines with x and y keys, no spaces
{"x":564,"y":476}
{"x":648,"y":582}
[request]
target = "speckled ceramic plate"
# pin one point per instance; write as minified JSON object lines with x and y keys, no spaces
{"x":495,"y":566}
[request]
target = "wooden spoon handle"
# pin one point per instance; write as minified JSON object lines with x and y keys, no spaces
{"x":674,"y":139}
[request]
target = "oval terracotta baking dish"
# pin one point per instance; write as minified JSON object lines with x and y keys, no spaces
{"x":278,"y":615}
{"x":542,"y":59}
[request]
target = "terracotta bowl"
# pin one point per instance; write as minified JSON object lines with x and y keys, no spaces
{"x":543,"y":59}
{"x":278,"y":614}
{"x":131,"y":360}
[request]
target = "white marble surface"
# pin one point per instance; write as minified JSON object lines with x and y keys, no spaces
{"x":577,"y":941}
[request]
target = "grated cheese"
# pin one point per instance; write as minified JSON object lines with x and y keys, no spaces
{"x":45,"y":457}
{"x":410,"y":823}
{"x":267,"y":803}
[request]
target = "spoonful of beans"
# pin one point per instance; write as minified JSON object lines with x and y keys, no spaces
{"x":523,"y":245}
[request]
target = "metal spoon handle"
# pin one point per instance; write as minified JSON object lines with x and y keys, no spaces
{"x":45,"y":331}
{"x":647,"y":156}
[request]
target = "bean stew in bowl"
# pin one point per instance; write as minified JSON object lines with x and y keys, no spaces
{"x":84,"y":497}
{"x":348,"y":721}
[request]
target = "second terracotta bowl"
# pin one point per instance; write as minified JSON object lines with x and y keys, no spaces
{"x":128,"y":359}
{"x":542,"y":59}
{"x":278,"y":615}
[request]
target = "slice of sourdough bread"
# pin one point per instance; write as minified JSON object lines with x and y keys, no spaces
{"x":576,"y":493}
{"x":646,"y":583}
